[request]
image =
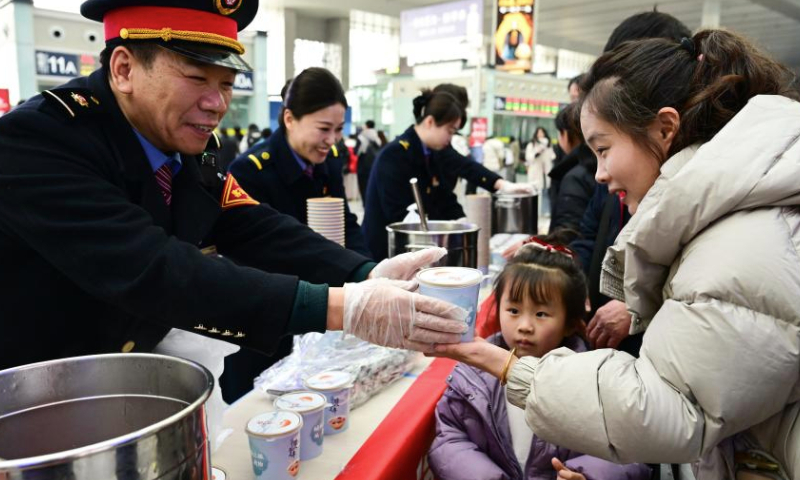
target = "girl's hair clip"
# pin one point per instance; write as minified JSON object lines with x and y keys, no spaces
{"x":542,"y":245}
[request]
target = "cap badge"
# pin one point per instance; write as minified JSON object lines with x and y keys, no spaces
{"x":227,"y":7}
{"x":79,"y":99}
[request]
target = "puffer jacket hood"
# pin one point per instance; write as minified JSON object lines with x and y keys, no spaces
{"x":710,"y":267}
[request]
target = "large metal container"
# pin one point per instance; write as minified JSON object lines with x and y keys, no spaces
{"x":460,"y":240}
{"x":515,"y":213}
{"x":118,"y":416}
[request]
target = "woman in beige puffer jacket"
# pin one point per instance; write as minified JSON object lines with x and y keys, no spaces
{"x":702,"y":136}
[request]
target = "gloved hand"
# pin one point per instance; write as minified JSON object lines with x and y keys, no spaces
{"x":381,"y":311}
{"x":406,"y":265}
{"x":510,"y":187}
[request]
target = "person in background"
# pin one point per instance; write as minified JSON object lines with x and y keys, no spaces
{"x":265,"y":134}
{"x":251,"y":138}
{"x":229,"y":149}
{"x":479,"y":434}
{"x":303,"y":158}
{"x":701,"y":135}
{"x":574,"y":89}
{"x":368,"y":145}
{"x":494,"y":154}
{"x":382,"y":136}
{"x":572,"y":180}
{"x":424,"y":151}
{"x":539,"y":157}
{"x":512,"y":158}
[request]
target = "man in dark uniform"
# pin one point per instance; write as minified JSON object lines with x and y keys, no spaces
{"x":115,"y":226}
{"x":271,"y":173}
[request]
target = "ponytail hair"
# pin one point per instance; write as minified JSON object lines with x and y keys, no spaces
{"x":312,"y":90}
{"x":442,"y":105}
{"x":708,"y":79}
{"x":545,"y":271}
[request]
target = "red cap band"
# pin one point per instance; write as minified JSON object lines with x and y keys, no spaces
{"x":168,"y":17}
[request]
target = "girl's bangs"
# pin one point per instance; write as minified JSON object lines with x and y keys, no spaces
{"x":539,"y":284}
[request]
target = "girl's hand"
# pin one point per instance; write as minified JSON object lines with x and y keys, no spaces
{"x":564,"y":473}
{"x":479,"y":353}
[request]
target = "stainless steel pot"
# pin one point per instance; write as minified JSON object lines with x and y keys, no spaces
{"x":515,"y":213}
{"x":118,"y":416}
{"x":460,"y":240}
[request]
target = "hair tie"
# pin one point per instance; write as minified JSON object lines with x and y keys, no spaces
{"x":688,"y":45}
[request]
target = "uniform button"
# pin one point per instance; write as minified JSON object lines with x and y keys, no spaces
{"x":128,"y":346}
{"x":265,"y":156}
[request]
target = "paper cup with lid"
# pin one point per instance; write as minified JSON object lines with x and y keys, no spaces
{"x":335,"y":385}
{"x":218,"y":474}
{"x":457,"y":285}
{"x":310,"y":406}
{"x":275,"y":444}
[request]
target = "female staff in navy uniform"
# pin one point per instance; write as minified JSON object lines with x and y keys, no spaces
{"x":300,"y":160}
{"x":424,"y":151}
{"x":108,"y":204}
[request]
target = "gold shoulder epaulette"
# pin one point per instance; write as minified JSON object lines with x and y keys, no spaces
{"x":335,"y":150}
{"x":405,"y":144}
{"x":74,"y":102}
{"x":257,"y":161}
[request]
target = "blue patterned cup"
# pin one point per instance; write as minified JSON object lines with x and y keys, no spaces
{"x":457,"y":285}
{"x":335,"y":385}
{"x":311,"y":406}
{"x":275,"y":445}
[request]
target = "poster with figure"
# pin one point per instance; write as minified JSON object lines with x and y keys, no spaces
{"x":513,"y":37}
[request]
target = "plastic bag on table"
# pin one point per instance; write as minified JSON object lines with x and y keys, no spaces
{"x":373,"y":367}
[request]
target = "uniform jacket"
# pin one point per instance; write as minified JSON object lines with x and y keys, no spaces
{"x":711,"y":262}
{"x":572,"y":186}
{"x":94,"y":261}
{"x":270,"y":174}
{"x":389,"y":193}
{"x":473,"y":440}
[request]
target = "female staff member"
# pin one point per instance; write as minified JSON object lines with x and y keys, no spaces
{"x":423,"y":151}
{"x":701,"y":135}
{"x":300,"y":160}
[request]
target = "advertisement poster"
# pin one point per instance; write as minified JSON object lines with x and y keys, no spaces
{"x":5,"y":101}
{"x":513,"y":38}
{"x":478,"y":130}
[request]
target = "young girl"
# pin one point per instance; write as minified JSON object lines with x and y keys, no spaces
{"x":542,"y":305}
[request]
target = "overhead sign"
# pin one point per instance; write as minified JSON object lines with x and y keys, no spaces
{"x":59,"y":64}
{"x":513,"y":37}
{"x":479,"y":129}
{"x":244,"y":82}
{"x":447,"y":20}
{"x":449,"y":31}
{"x":526,"y":106}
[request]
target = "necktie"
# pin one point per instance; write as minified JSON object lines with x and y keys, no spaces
{"x":164,"y":180}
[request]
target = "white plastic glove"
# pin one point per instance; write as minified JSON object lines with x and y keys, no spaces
{"x":406,"y":265}
{"x":510,"y":187}
{"x":385,"y":313}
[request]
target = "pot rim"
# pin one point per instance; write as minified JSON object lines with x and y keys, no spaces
{"x":468,"y":227}
{"x":50,"y":459}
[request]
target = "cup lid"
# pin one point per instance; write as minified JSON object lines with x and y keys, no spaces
{"x":218,"y":474}
{"x":330,"y":380}
{"x":274,"y":424}
{"x":450,"y":276}
{"x":300,"y":402}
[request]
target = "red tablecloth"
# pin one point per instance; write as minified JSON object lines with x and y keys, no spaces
{"x":398,"y":448}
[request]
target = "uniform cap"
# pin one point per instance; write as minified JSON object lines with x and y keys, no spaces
{"x":204,"y":30}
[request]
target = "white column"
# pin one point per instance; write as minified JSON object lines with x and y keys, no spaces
{"x":711,"y":12}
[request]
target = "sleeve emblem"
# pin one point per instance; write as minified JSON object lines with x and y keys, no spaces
{"x":233,"y":195}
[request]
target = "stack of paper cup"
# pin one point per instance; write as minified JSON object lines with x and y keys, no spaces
{"x":479,"y":212}
{"x":326,"y":217}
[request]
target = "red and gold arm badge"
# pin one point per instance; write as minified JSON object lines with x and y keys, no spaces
{"x":234,"y":195}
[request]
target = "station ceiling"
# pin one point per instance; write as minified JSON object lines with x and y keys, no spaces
{"x":584,"y":25}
